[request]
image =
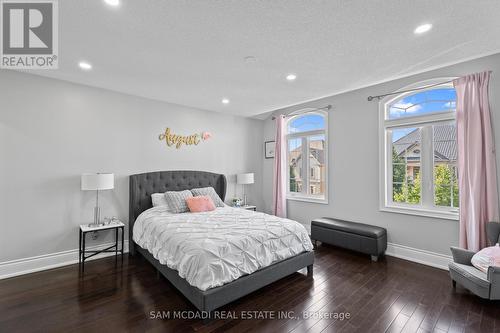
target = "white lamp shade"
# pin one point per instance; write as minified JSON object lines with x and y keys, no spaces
{"x":245,"y":178}
{"x":98,"y":181}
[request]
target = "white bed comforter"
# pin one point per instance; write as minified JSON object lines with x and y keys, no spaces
{"x":213,"y":248}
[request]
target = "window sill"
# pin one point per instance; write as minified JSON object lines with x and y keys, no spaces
{"x":447,"y":215}
{"x":308,"y":199}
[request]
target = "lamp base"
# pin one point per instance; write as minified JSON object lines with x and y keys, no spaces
{"x":97,"y":218}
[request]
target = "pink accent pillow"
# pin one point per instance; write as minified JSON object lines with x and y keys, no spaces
{"x":199,"y":204}
{"x":489,"y":256}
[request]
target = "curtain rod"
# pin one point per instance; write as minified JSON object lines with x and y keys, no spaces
{"x":371,"y":98}
{"x":327,"y":107}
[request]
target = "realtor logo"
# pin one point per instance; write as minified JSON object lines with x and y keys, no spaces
{"x":29,"y":37}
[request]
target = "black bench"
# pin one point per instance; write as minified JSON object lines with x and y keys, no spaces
{"x":359,"y":237}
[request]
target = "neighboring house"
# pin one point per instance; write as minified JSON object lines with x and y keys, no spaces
{"x":317,"y":164}
{"x":445,"y":148}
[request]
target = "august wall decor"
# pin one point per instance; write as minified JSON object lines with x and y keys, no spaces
{"x":176,"y":140}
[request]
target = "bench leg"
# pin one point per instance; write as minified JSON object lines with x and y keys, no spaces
{"x":374,"y":258}
{"x":314,"y":242}
{"x":310,"y":271}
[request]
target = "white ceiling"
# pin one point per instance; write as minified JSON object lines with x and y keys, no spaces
{"x":192,"y":52}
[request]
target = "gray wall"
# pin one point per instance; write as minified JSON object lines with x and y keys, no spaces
{"x":52,"y":131}
{"x":354,"y":158}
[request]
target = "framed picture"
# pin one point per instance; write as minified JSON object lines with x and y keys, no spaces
{"x":269,"y":147}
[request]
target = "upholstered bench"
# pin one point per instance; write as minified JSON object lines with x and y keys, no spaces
{"x":359,"y":237}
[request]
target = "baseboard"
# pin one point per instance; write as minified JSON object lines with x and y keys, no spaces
{"x":47,"y":261}
{"x":424,"y":257}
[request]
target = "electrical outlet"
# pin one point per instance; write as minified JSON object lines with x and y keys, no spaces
{"x":95,"y":235}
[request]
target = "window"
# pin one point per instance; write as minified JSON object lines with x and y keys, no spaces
{"x":419,"y":152}
{"x":307,"y":177}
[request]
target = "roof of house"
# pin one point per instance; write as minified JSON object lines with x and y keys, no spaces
{"x":316,"y":148}
{"x":445,"y":142}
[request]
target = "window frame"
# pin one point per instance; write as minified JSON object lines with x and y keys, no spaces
{"x":306,"y":168}
{"x":425,"y":122}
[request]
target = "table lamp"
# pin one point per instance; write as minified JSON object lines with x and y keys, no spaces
{"x":97,"y":182}
{"x":244,"y":179}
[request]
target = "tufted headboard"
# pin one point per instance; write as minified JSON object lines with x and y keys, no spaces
{"x":145,"y":184}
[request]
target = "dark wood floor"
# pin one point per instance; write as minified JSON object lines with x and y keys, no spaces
{"x":392,"y":295}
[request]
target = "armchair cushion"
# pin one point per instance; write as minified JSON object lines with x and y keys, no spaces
{"x":472,"y":273}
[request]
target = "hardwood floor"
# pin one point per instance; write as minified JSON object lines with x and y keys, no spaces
{"x":392,"y":295}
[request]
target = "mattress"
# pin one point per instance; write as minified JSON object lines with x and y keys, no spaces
{"x":210,"y":249}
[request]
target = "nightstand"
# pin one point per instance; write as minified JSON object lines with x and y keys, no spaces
{"x":248,"y":207}
{"x":85,"y":228}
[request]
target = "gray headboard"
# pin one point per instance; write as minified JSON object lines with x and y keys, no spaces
{"x":145,"y":184}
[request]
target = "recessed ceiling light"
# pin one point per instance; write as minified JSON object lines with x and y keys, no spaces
{"x":112,"y":2}
{"x":250,"y":59}
{"x":291,"y":77}
{"x":423,"y":28}
{"x":85,"y":65}
{"x":225,"y":101}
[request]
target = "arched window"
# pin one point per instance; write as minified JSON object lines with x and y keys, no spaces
{"x":419,"y":147}
{"x":307,"y":177}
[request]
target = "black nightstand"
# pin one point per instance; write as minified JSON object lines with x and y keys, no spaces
{"x":85,"y":228}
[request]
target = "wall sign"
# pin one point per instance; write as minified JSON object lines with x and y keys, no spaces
{"x":176,"y":140}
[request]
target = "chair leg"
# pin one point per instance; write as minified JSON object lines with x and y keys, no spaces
{"x":454,"y":284}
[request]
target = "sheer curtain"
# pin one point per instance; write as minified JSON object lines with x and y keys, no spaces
{"x":476,"y":160}
{"x":279,"y":172}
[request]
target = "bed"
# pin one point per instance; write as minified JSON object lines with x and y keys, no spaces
{"x":205,"y":298}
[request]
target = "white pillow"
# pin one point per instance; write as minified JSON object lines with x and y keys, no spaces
{"x":159,"y":199}
{"x":489,"y":256}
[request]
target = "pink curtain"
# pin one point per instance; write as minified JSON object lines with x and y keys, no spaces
{"x":477,"y":178}
{"x":279,"y":172}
